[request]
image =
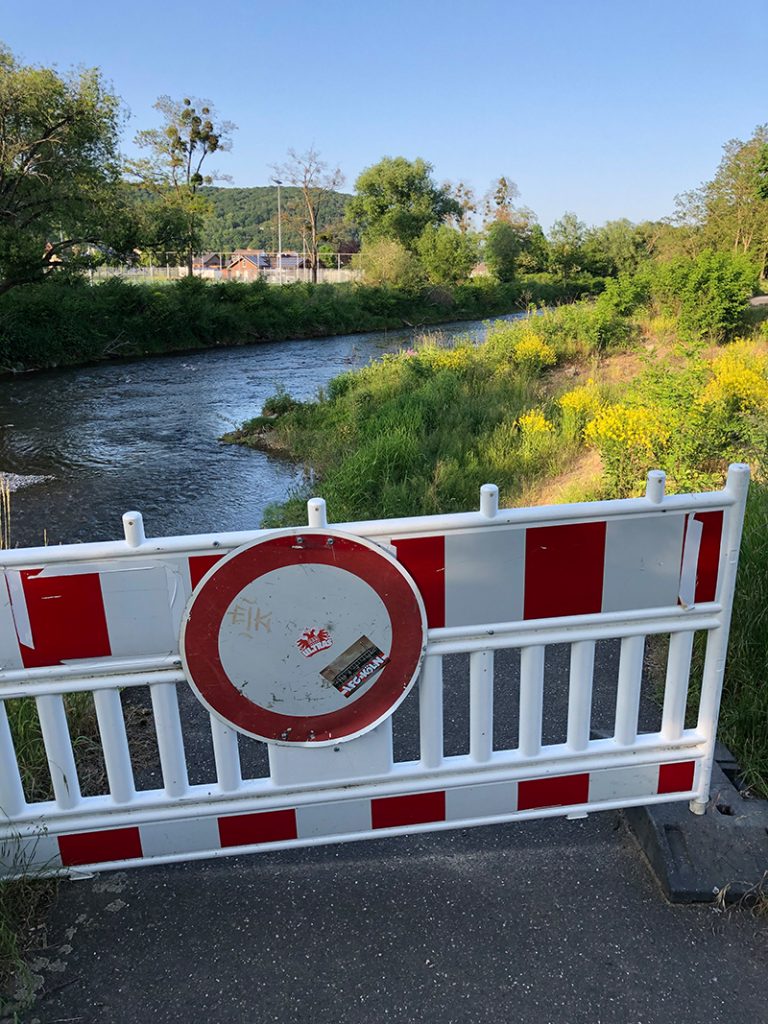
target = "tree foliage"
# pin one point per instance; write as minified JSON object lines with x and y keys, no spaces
{"x":566,"y":245}
{"x":387,"y":262}
{"x":502,"y":249}
{"x":446,"y":254}
{"x":730,"y":212}
{"x":60,"y":189}
{"x":317,"y":183}
{"x":172,"y":174}
{"x":398,"y":198}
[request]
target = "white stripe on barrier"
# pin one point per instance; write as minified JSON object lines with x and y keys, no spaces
{"x":491,"y":580}
{"x":457,"y":806}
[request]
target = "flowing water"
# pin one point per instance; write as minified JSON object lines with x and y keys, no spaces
{"x":84,"y":445}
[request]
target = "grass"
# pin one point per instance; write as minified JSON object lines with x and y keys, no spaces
{"x":419,"y":432}
{"x":744,"y":712}
{"x":24,"y":903}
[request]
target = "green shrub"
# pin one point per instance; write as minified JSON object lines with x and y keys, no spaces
{"x":707,"y":294}
{"x":68,"y":322}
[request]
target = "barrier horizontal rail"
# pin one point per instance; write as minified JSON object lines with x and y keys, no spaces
{"x":209,"y":543}
{"x":618,"y":580}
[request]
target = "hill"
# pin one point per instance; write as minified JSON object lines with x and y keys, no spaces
{"x":247,"y":218}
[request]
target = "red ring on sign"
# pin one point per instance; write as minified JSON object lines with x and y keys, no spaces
{"x":221,"y":585}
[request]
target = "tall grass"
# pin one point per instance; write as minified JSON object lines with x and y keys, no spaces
{"x":744,"y":714}
{"x":24,"y":902}
{"x":419,"y":432}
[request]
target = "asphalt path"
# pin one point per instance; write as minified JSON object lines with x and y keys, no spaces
{"x":541,"y":922}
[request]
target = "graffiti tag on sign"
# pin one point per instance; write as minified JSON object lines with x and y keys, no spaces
{"x":355,"y":666}
{"x":251,"y":618}
{"x":312,"y":641}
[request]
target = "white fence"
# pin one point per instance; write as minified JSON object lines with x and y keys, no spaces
{"x":245,"y":265}
{"x":104,"y":619}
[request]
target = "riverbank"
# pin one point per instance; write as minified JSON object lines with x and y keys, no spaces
{"x":69,"y":323}
{"x":419,"y":432}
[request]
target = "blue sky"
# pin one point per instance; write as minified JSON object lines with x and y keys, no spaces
{"x":605,"y":107}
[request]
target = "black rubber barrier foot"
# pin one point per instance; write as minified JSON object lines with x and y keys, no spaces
{"x":720,"y":854}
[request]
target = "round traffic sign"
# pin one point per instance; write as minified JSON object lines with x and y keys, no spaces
{"x":305,"y":637}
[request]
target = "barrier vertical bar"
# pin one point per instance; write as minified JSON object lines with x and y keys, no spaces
{"x":133,"y":527}
{"x":628,"y":691}
{"x":531,"y":699}
{"x":58,"y":750}
{"x":12,"y":799}
{"x":317,"y":514}
{"x":170,"y":740}
{"x":489,"y":500}
{"x":676,"y":685}
{"x":737,"y":485}
{"x":655,"y":486}
{"x":431,"y":711}
{"x":114,"y":743}
{"x":481,"y":705}
{"x":580,"y":693}
{"x":227,"y":756}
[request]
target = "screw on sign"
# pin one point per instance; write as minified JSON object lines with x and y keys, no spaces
{"x":306,"y":637}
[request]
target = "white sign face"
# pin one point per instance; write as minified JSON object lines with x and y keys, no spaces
{"x":290,"y":638}
{"x":308,"y":637}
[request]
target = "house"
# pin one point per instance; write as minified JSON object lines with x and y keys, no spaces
{"x":248,"y":262}
{"x":209,"y":261}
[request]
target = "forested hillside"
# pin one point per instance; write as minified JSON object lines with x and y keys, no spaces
{"x":246,"y":218}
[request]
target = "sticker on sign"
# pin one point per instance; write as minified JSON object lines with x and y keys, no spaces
{"x":355,"y":666}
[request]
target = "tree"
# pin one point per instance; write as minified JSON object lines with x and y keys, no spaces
{"x":464,"y":195}
{"x":729,"y":213}
{"x":615,"y":248}
{"x":310,"y":174}
{"x":500,"y":198}
{"x":398,"y":198}
{"x":386,"y":261}
{"x":60,"y":189}
{"x":446,"y":254}
{"x":566,"y":245}
{"x":502,"y":249}
{"x":173,"y":173}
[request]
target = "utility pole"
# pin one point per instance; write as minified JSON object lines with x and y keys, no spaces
{"x":279,"y":232}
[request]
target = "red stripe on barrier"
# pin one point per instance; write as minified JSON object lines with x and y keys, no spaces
{"x":261,"y":827}
{"x":709,"y":555}
{"x":424,"y":559}
{"x":564,"y":570}
{"x":557,"y":792}
{"x":66,"y":615}
{"x":414,"y":809}
{"x":199,"y":566}
{"x":99,"y":847}
{"x":676,"y":777}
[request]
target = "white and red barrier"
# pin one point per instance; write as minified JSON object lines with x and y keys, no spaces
{"x":103,"y":617}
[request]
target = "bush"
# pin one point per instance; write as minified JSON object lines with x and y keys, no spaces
{"x":64,"y":323}
{"x":708,"y":294}
{"x":388,"y":262}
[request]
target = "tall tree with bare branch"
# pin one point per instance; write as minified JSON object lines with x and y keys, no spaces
{"x":317,"y":182}
{"x":173,"y":172}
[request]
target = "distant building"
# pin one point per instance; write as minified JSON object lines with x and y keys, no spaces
{"x":248,"y":262}
{"x":209,"y":261}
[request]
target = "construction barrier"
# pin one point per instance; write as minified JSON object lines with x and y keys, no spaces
{"x":305,"y":643}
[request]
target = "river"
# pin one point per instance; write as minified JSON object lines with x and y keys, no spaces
{"x":144,"y":435}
